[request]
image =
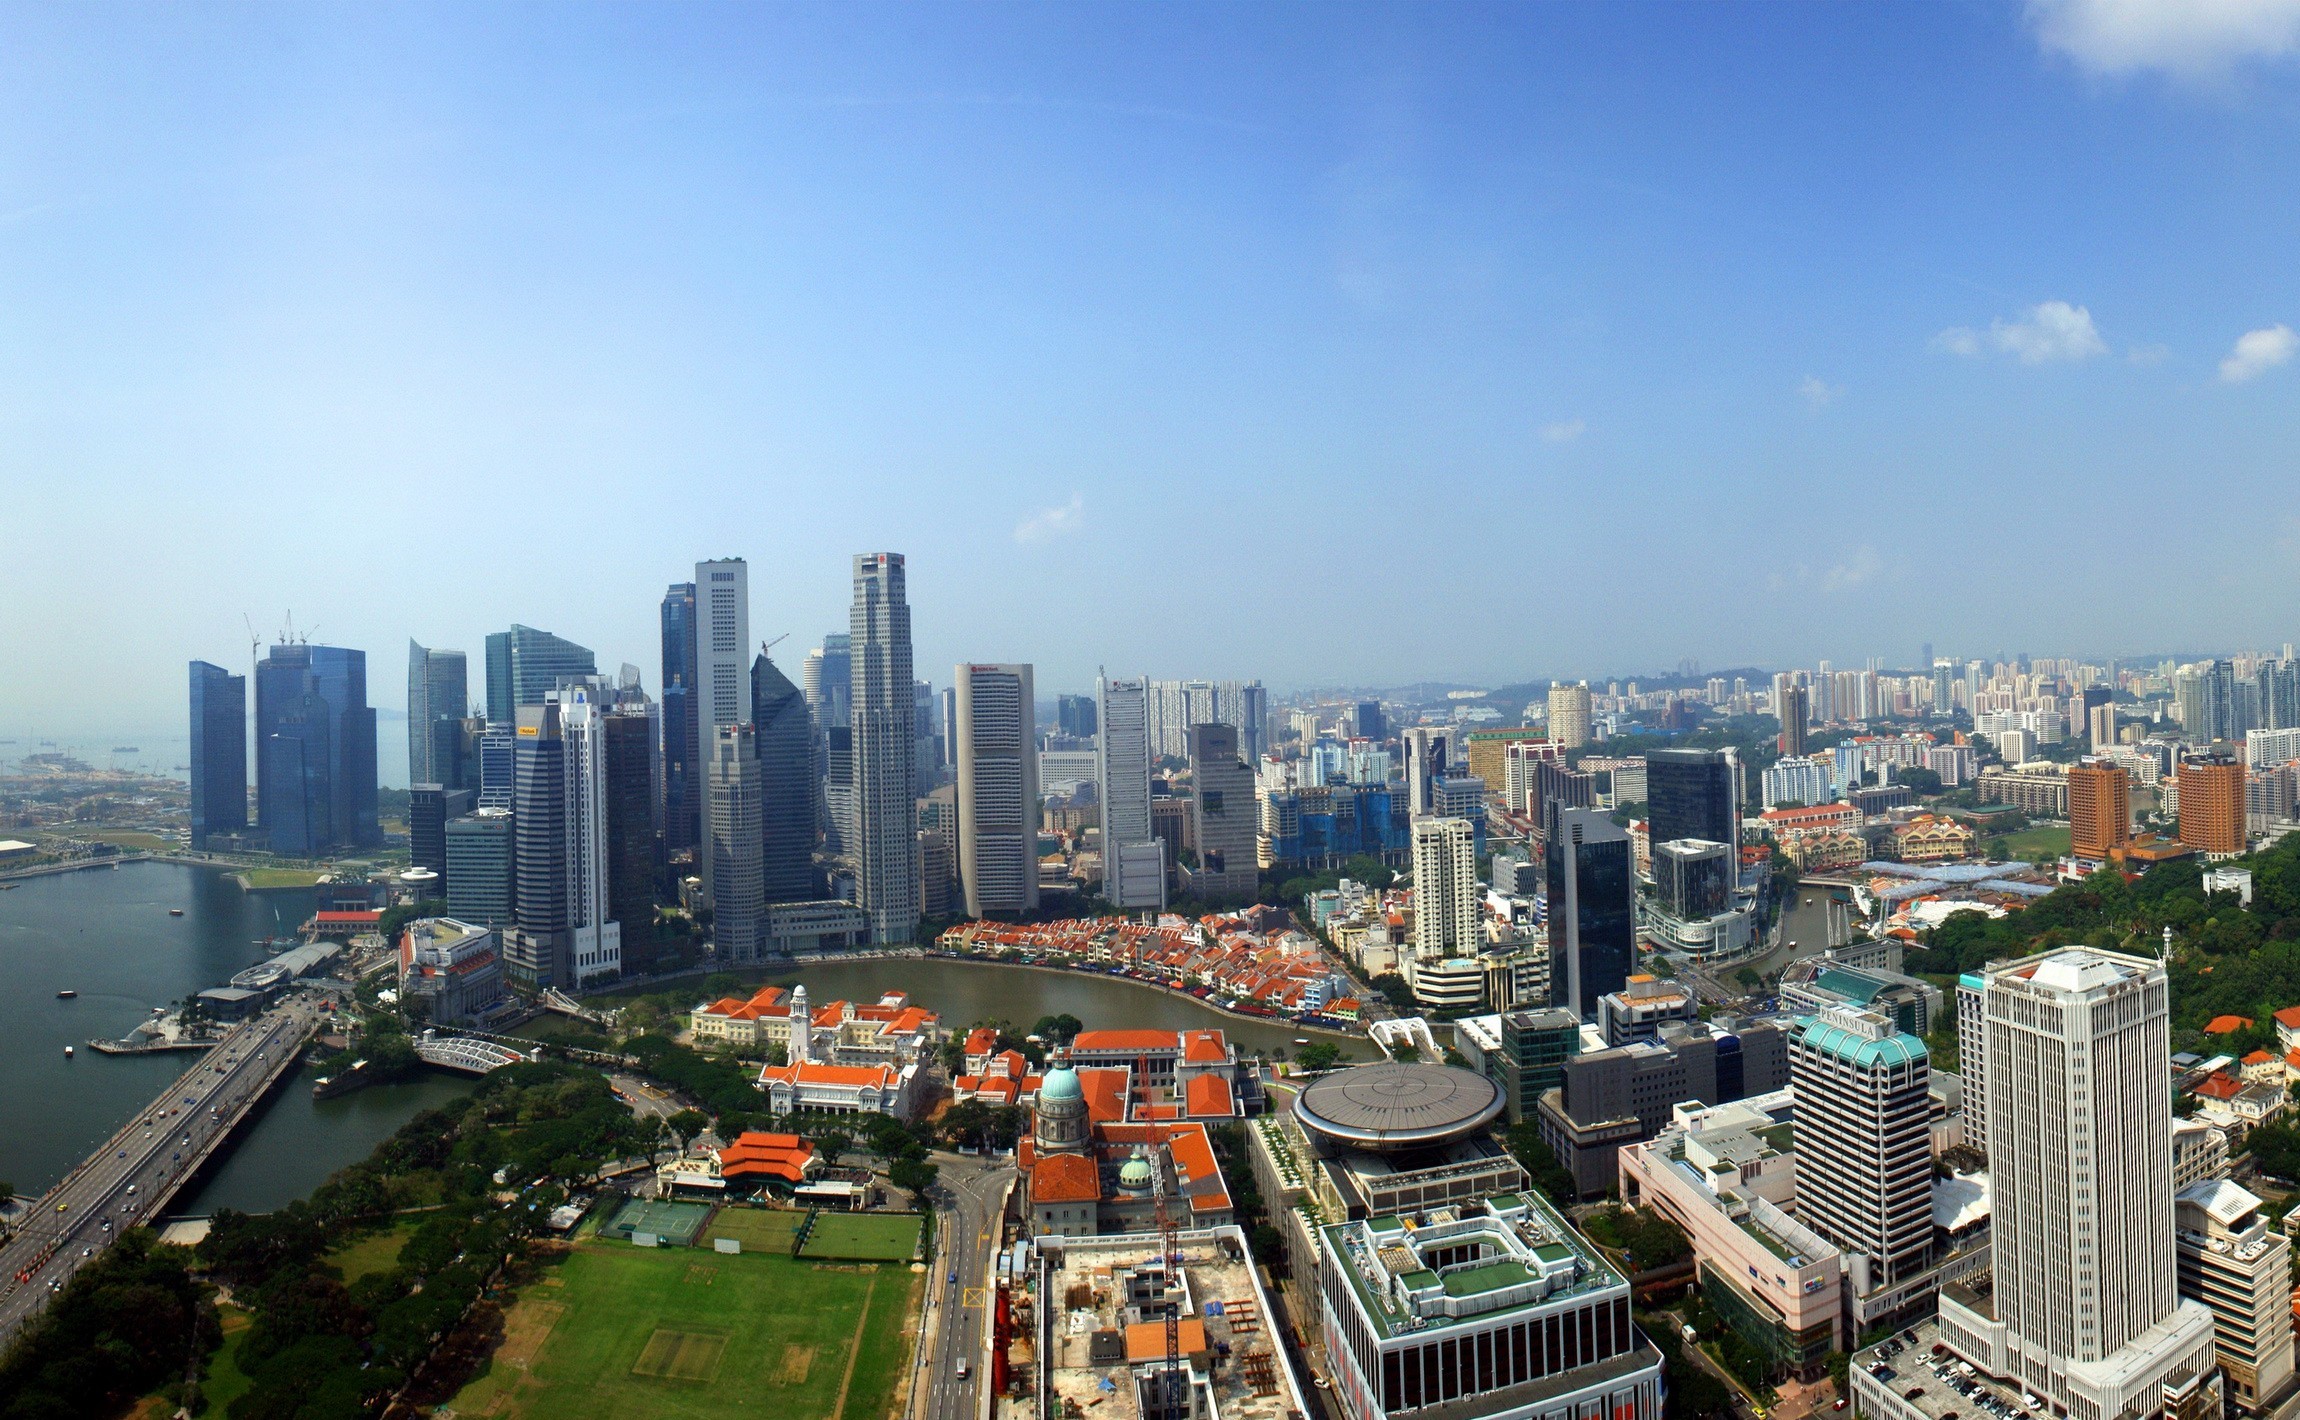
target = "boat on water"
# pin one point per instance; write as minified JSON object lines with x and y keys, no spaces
{"x":66,"y":994}
{"x":67,"y":1052}
{"x":175,"y":912}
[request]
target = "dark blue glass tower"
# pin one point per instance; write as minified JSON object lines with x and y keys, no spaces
{"x":682,"y":745}
{"x":785,"y":740}
{"x":315,"y":768}
{"x":1592,"y":908}
{"x":219,"y":752}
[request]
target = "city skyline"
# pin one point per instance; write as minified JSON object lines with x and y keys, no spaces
{"x":1482,"y":265}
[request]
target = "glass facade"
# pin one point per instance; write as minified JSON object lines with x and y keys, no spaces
{"x":219,"y":703}
{"x":1690,"y":793}
{"x":315,"y":768}
{"x":1592,"y":908}
{"x":682,"y":744}
{"x":785,"y":746}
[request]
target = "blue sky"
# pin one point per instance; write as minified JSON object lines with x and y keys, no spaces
{"x":1329,"y":345}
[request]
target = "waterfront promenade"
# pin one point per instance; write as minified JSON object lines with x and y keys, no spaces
{"x":134,"y":1174}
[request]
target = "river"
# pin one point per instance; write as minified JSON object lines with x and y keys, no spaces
{"x":106,"y":934}
{"x":962,"y":992}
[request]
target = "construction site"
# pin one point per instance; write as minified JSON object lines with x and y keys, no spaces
{"x":1125,"y":1326}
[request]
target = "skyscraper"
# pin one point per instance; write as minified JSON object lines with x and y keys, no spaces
{"x":1693,"y":793}
{"x":219,"y":752}
{"x":1448,"y":908}
{"x":997,"y":788}
{"x":1592,"y":907}
{"x":315,"y":733}
{"x":633,"y":848}
{"x":2099,"y":810}
{"x":524,"y":665}
{"x":2212,"y":804}
{"x":437,"y":699}
{"x":481,"y":877}
{"x":2083,"y":1307}
{"x":1865,"y":1154}
{"x":783,"y":742}
{"x":1427,"y":749}
{"x":885,"y":747}
{"x":829,"y":680}
{"x":537,"y":950}
{"x":682,"y":725}
{"x":1223,"y":808}
{"x":1133,"y":860}
{"x":1370,"y":725}
{"x":1074,"y":715}
{"x":1569,"y":714}
{"x":595,"y":943}
{"x":1795,"y":711}
{"x":722,"y":653}
{"x":738,"y":895}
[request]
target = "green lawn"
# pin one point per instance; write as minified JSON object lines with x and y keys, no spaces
{"x":2029,"y":844}
{"x":614,"y":1332}
{"x":757,"y":1229}
{"x":226,"y":1382}
{"x":377,"y":1252}
{"x":893,"y":1236}
{"x":128,"y":838}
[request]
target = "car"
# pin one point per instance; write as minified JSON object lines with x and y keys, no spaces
{"x":964,"y":1370}
{"x":131,"y":1188}
{"x":107,"y":1225}
{"x":62,"y":1206}
{"x":1915,"y":1392}
{"x":953,"y":1279}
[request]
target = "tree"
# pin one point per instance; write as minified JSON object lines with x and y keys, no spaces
{"x":687,"y":1123}
{"x":1405,"y":1052}
{"x":1919,"y":781}
{"x":832,"y":1143}
{"x":7,"y":1193}
{"x":913,"y":1176}
{"x":1317,"y":1055}
{"x":1060,"y":1030}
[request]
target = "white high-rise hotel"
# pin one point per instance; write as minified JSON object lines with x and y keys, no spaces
{"x":2084,"y":1309}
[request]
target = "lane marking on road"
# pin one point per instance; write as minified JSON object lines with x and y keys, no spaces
{"x":974,"y":1297}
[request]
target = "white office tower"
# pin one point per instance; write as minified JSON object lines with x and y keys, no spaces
{"x":722,"y":656}
{"x":1973,"y":1062}
{"x":1447,"y":902}
{"x":737,"y":848}
{"x":2236,"y":1262}
{"x":1133,"y":858}
{"x":997,"y":788}
{"x":2084,"y":1308}
{"x":885,"y":748}
{"x":1865,"y":1155}
{"x":1428,"y":750}
{"x":598,"y":942}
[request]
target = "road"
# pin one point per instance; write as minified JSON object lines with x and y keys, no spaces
{"x":967,"y":1195}
{"x":647,"y":1101}
{"x":142,"y":1166}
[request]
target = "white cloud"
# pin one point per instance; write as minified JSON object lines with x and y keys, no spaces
{"x":1857,"y":570}
{"x":2258,"y":351}
{"x":2052,"y":331}
{"x":1818,"y":393}
{"x":2191,"y":39}
{"x":1051,"y":523}
{"x":1564,"y":431}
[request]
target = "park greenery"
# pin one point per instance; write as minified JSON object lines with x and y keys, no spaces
{"x":131,"y":1322}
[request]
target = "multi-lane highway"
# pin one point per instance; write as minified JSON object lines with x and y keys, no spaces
{"x":969,"y":1194}
{"x":135,"y":1173}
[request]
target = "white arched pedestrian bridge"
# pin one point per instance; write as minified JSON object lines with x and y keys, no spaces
{"x":472,"y":1057}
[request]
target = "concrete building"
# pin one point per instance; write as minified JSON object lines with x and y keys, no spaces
{"x":1447,"y":903}
{"x":1223,"y":815}
{"x":997,"y":789}
{"x":1133,"y":860}
{"x":2212,"y":804}
{"x":595,"y":937}
{"x":450,"y":972}
{"x":1608,"y":1098}
{"x":481,"y":875}
{"x":2081,"y":1306}
{"x":2099,"y":810}
{"x":1569,"y":714}
{"x":1798,"y":781}
{"x":1865,"y":1156}
{"x":2236,"y":1262}
{"x":722,"y":657}
{"x":885,"y":747}
{"x":736,"y":845}
{"x":1640,"y":1009}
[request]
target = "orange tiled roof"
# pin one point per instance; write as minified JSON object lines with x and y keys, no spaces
{"x":814,"y":1074}
{"x":2219,"y":1087}
{"x":2227,"y":1025}
{"x":1209,"y":1095}
{"x":2289,"y":1016}
{"x":2258,"y":1057}
{"x":1124,"y":1040}
{"x":982,"y":1041}
{"x":1105,"y":1091}
{"x":1205,"y":1047}
{"x":1066,"y":1178}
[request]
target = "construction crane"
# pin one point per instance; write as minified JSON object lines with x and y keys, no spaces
{"x":766,"y":647}
{"x":1170,"y":1262}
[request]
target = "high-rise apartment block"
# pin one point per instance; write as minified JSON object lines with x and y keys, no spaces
{"x":2211,"y":790}
{"x":2082,"y":1307}
{"x":1133,"y":860}
{"x":437,"y":700}
{"x":2099,"y":810}
{"x":595,"y":938}
{"x":219,"y":702}
{"x":682,"y":727}
{"x":1448,"y":907}
{"x":1427,"y":750}
{"x":1865,"y":1155}
{"x":1793,"y":706}
{"x":1569,"y":714}
{"x":1592,"y":908}
{"x":997,"y":788}
{"x":885,"y":748}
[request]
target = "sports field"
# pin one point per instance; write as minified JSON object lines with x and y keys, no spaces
{"x":889,"y":1236}
{"x":757,"y":1229}
{"x":613,"y":1332}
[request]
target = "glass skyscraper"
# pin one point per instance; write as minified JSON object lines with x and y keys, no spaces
{"x":1592,"y":908}
{"x":438,"y":693}
{"x":683,"y":787}
{"x":219,"y":752}
{"x":784,"y":743}
{"x":885,"y":748}
{"x":1693,"y":793}
{"x":524,"y":665}
{"x":315,"y":770}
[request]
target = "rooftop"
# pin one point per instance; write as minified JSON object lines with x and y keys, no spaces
{"x":1392,"y":1105}
{"x":1410,"y":1273}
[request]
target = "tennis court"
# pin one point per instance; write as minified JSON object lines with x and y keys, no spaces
{"x":881,"y":1237}
{"x":673,"y":1224}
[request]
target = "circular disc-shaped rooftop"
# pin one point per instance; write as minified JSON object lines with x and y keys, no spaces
{"x":1393,"y":1106}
